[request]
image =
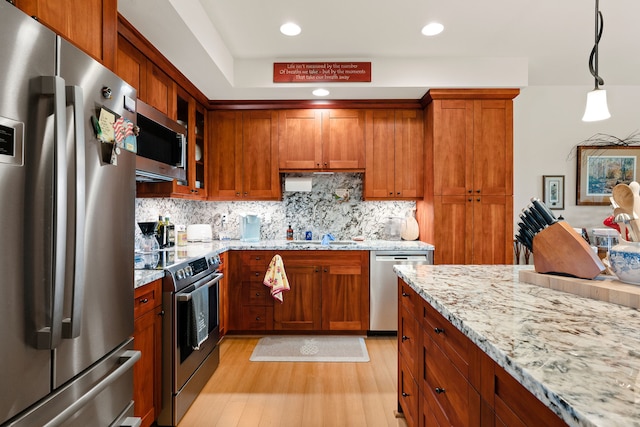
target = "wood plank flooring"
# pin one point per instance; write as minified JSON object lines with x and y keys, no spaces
{"x":293,"y":394}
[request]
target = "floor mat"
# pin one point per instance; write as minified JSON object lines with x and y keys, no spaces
{"x":310,"y":349}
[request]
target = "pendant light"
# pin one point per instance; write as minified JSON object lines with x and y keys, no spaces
{"x":596,"y":99}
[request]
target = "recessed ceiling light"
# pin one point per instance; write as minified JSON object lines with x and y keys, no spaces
{"x":290,"y":29}
{"x":432,"y":29}
{"x":320,"y":92}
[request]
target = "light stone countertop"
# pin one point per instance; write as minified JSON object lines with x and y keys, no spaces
{"x":580,"y":357}
{"x":194,"y":250}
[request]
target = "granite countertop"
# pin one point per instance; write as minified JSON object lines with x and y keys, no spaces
{"x":580,"y":357}
{"x":192,"y":250}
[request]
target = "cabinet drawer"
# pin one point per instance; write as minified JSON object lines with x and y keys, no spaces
{"x":408,"y":297}
{"x":147,"y":297}
{"x":253,"y":274}
{"x":256,"y":258}
{"x":409,"y":339}
{"x":451,"y":341}
{"x":408,"y":394}
{"x":451,"y":399}
{"x":256,"y":294}
{"x":257,"y":318}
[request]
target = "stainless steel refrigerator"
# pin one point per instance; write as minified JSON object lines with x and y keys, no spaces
{"x":66,"y":235}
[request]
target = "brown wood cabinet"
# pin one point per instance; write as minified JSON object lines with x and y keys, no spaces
{"x":469,"y":142}
{"x":394,"y":154}
{"x":321,"y":139}
{"x":329,"y":292}
{"x":243,"y":163}
{"x":91,"y":25}
{"x":153,"y":86}
{"x":444,"y":379}
{"x":147,"y":338}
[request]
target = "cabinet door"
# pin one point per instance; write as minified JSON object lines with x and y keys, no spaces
{"x":131,"y":66}
{"x":147,"y":371}
{"x":160,"y":91}
{"x":452,"y":146}
{"x":409,"y":154}
{"x":299,"y":139}
{"x":300,"y":309}
{"x":261,"y":178}
{"x":380,"y":154}
{"x":453,"y":219}
{"x":225,"y":159}
{"x":493,"y":147}
{"x":492,"y":230}
{"x":345,"y":299}
{"x":90,"y":24}
{"x":343,"y":139}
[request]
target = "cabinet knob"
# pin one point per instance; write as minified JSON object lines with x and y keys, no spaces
{"x":469,"y":191}
{"x":246,"y":194}
{"x":478,"y":199}
{"x":258,"y":318}
{"x":257,"y":274}
{"x":238,"y":194}
{"x":405,"y":394}
{"x":478,"y":191}
{"x":404,"y":294}
{"x":257,"y":294}
{"x":325,"y":270}
{"x":404,"y":338}
{"x":161,"y":313}
{"x":439,"y":390}
{"x":438,"y":330}
{"x":398,"y":193}
{"x":470,"y":199}
{"x":144,"y":300}
{"x":391,"y":193}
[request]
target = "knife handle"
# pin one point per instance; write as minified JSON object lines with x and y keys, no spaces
{"x":544,"y":211}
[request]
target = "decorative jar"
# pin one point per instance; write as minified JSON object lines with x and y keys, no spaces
{"x":625,"y":261}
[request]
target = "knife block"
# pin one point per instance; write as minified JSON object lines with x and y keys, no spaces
{"x":558,"y":249}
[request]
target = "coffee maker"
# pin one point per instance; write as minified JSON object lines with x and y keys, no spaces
{"x":249,"y":227}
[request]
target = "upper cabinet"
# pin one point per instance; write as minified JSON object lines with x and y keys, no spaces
{"x":153,"y":85}
{"x":394,"y":154}
{"x":90,"y":24}
{"x":244,"y":160}
{"x":321,"y":139}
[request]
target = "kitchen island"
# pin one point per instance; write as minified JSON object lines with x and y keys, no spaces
{"x":579,"y":357}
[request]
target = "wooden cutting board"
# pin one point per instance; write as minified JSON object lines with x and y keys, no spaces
{"x":410,"y":230}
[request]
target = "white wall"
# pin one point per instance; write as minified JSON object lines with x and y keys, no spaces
{"x":547,"y":127}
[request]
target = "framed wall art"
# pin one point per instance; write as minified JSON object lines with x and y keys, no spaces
{"x":600,"y":168}
{"x":553,"y":191}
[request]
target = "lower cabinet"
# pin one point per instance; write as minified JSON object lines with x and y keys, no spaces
{"x":455,"y":383}
{"x":329,"y":292}
{"x":147,"y":338}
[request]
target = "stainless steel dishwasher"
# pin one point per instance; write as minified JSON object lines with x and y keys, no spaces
{"x":383,"y":287}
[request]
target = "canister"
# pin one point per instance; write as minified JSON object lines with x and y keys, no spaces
{"x":604,"y":239}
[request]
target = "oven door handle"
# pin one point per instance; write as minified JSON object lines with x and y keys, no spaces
{"x":186,"y":296}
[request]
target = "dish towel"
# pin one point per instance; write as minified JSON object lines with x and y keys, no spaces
{"x":198,"y":317}
{"x":276,"y":278}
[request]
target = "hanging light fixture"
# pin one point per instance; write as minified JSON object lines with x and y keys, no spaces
{"x":596,"y":99}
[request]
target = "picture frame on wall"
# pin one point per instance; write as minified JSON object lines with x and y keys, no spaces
{"x":553,"y":191}
{"x":600,"y":168}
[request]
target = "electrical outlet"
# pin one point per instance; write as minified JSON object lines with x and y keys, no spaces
{"x":343,"y":193}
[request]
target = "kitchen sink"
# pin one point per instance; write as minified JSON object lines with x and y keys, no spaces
{"x":319,"y":243}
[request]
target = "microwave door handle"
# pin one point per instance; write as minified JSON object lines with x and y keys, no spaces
{"x":183,"y":151}
{"x":49,"y":336}
{"x":186,"y":296}
{"x":71,"y":325}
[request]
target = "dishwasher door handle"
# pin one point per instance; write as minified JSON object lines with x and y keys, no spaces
{"x":402,"y":258}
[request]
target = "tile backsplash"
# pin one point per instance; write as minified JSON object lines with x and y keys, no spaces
{"x":324,"y":209}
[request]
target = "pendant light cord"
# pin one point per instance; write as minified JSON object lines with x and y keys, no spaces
{"x":593,"y":58}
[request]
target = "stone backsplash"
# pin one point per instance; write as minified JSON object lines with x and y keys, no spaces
{"x":319,"y":210}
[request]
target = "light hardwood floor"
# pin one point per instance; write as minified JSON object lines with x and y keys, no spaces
{"x":256,"y":394}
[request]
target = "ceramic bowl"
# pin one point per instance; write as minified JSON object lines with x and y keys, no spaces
{"x":625,"y":261}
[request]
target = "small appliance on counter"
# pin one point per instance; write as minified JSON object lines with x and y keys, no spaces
{"x":147,"y":253}
{"x":249,"y":227}
{"x":199,"y":233}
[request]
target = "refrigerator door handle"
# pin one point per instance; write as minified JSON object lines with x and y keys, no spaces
{"x":71,"y":325}
{"x":127,"y":360}
{"x":49,"y":337}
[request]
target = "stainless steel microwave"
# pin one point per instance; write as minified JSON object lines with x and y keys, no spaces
{"x":162,"y":146}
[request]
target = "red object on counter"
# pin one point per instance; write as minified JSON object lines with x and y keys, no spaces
{"x":608,"y":221}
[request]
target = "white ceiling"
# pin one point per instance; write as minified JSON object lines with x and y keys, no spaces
{"x":227,"y":47}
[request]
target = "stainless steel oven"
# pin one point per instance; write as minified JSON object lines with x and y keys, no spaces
{"x":185,"y":370}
